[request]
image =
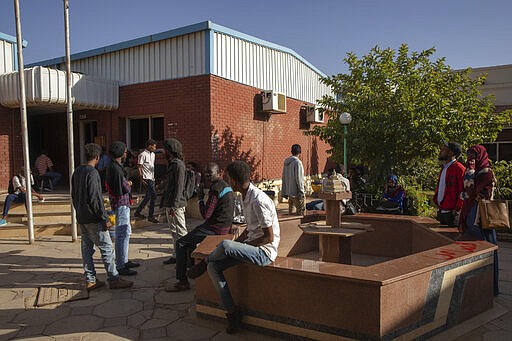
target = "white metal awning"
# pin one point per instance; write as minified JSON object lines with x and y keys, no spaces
{"x":46,"y":89}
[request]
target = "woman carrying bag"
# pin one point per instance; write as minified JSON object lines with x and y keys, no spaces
{"x":478,"y":184}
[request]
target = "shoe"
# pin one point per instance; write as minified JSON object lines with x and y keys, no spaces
{"x":197,"y":270}
{"x":3,"y":222}
{"x":178,"y":286}
{"x":94,"y":285}
{"x":153,"y":220}
{"x":127,"y":272}
{"x":138,"y":215}
{"x":171,"y":260}
{"x":47,"y":189}
{"x":120,"y":284}
{"x":234,"y":320}
{"x":131,"y":264}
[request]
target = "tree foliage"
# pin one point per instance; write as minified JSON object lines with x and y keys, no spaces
{"x":403,"y":105}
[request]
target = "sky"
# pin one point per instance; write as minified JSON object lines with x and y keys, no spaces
{"x":468,"y":33}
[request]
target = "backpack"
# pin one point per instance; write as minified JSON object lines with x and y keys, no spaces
{"x":190,"y":184}
{"x":10,"y":189}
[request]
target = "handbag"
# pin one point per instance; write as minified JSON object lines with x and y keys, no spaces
{"x":494,"y":214}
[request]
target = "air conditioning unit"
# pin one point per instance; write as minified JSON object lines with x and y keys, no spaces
{"x":314,"y":114}
{"x":274,"y":102}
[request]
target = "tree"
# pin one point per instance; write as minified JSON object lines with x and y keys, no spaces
{"x":403,"y":105}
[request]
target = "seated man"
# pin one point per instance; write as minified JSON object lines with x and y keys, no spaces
{"x":18,"y":195}
{"x":218,"y":215}
{"x":320,"y":204}
{"x":393,"y":196}
{"x":44,"y":166}
{"x":256,"y":245}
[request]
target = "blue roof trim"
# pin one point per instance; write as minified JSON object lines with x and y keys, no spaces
{"x":202,"y":26}
{"x":12,"y":39}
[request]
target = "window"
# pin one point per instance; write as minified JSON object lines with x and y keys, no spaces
{"x":139,"y":130}
{"x":499,"y":151}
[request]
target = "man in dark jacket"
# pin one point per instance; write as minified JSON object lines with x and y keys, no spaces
{"x":119,"y":189}
{"x":174,"y":199}
{"x":218,"y":214}
{"x":93,"y":220}
{"x":450,"y":185}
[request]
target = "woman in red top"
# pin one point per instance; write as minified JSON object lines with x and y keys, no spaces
{"x":481,"y":188}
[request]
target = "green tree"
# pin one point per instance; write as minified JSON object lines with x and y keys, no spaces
{"x":403,"y":105}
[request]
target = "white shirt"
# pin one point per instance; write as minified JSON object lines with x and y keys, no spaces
{"x":260,"y":212}
{"x":147,"y":161}
{"x":442,"y":183}
{"x":19,"y":181}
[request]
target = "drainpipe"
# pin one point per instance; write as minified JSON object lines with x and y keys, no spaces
{"x":24,"y":129}
{"x":69,"y":101}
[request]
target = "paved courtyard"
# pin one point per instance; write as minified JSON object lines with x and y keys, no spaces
{"x":147,"y":312}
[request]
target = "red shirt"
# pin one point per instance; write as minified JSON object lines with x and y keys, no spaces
{"x":454,"y":186}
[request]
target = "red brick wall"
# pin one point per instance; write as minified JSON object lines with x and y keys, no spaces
{"x":269,"y":138}
{"x":10,"y":145}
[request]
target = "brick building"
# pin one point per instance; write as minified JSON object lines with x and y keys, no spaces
{"x":207,"y":85}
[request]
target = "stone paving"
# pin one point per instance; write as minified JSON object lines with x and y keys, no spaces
{"x":146,"y":311}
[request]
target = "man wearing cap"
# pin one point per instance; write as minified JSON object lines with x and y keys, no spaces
{"x":450,"y":184}
{"x":174,"y":199}
{"x":119,"y":189}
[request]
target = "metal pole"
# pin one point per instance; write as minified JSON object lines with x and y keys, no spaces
{"x":69,"y":101}
{"x":345,"y":166}
{"x":24,"y":126}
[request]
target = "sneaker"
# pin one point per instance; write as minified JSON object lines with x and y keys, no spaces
{"x":94,"y":285}
{"x":234,"y":320}
{"x":127,"y":272}
{"x":153,"y":220}
{"x":131,"y":264}
{"x":120,"y":284}
{"x":3,"y":222}
{"x":138,"y":215}
{"x":47,"y":189}
{"x":171,"y":260}
{"x":178,"y":286}
{"x":197,"y":270}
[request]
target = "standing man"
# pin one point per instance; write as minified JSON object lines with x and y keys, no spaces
{"x":44,"y":166}
{"x":256,"y":245}
{"x":218,"y":214}
{"x":146,"y":165}
{"x":174,"y":199}
{"x":450,"y":185}
{"x":293,"y":181}
{"x":119,"y":189}
{"x":93,"y":220}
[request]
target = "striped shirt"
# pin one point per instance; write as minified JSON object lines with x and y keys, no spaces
{"x":43,"y":162}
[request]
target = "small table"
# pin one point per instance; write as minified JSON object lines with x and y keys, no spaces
{"x":335,"y":243}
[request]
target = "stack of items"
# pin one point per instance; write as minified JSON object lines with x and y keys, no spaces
{"x":334,"y":185}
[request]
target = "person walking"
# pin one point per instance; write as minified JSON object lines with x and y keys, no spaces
{"x":449,"y":185}
{"x":93,"y":220}
{"x":146,"y":166}
{"x":174,"y":199}
{"x":293,"y":181}
{"x":119,"y":189}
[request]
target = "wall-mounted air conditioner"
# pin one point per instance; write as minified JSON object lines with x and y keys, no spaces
{"x":273,"y":102}
{"x":314,"y":114}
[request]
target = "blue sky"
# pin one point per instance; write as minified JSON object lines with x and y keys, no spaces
{"x":466,"y":32}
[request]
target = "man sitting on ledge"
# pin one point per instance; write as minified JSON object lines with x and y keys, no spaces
{"x":256,"y":245}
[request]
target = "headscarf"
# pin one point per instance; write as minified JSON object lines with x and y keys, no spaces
{"x":481,"y":157}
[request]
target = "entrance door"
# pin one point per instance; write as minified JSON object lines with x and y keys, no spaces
{"x":88,"y":131}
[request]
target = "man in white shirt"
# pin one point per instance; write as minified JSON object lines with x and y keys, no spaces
{"x":146,"y":166}
{"x":256,"y":245}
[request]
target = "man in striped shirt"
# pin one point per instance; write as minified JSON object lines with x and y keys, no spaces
{"x":218,"y":214}
{"x":44,"y":166}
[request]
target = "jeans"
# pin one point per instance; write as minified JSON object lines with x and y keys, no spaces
{"x":483,"y":234}
{"x":123,"y":232}
{"x":176,"y":223}
{"x":227,"y":254}
{"x":54,"y":176}
{"x":16,"y":198}
{"x":187,"y":243}
{"x":93,"y":234}
{"x":149,"y":196}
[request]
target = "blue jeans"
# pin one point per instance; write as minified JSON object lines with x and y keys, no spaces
{"x":227,"y":254}
{"x":186,"y":244}
{"x":149,"y":196}
{"x":123,"y":232}
{"x":483,"y":234}
{"x":54,"y":176}
{"x":16,"y":198}
{"x":93,"y":234}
